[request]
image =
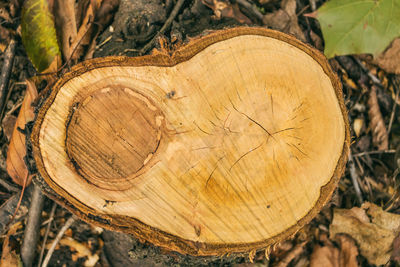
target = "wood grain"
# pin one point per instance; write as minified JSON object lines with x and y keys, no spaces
{"x":229,"y":144}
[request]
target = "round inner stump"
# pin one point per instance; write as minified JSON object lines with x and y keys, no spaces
{"x":112,"y":134}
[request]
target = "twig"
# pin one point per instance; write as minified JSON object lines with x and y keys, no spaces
{"x":60,"y":234}
{"x":19,"y":201}
{"x":6,"y":71}
{"x":166,"y":25}
{"x":31,"y":236}
{"x":389,"y":151}
{"x":373,"y":78}
{"x":51,"y":218}
{"x":354,"y":178}
{"x":7,"y":185}
{"x":393,"y":110}
{"x":313,"y":5}
{"x":251,"y":8}
{"x":8,"y":209}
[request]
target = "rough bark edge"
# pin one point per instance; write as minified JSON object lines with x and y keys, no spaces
{"x":162,"y":58}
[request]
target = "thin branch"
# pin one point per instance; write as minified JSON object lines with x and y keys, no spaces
{"x":31,"y":236}
{"x":166,"y":25}
{"x":393,"y":109}
{"x":8,"y":62}
{"x":7,"y":185}
{"x":8,"y":209}
{"x":251,"y":8}
{"x":60,"y":234}
{"x":373,"y":78}
{"x":354,"y":178}
{"x":51,"y":218}
{"x":389,"y":151}
{"x":313,"y":5}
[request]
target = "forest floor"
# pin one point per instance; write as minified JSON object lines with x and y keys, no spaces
{"x":364,"y":206}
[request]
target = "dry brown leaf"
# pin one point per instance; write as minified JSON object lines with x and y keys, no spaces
{"x":84,"y":35}
{"x":396,"y":249}
{"x":8,"y":125}
{"x":16,"y":167}
{"x":373,"y":229}
{"x":330,"y":256}
{"x":285,"y":19}
{"x":390,"y":58}
{"x":348,"y":251}
{"x":225,"y":9}
{"x":97,"y":16}
{"x":326,"y":256}
{"x":80,"y":11}
{"x":64,"y":14}
{"x":380,"y":136}
{"x":103,"y":18}
{"x":106,"y":12}
{"x":9,"y":258}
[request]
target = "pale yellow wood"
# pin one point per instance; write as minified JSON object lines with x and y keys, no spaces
{"x":233,"y":145}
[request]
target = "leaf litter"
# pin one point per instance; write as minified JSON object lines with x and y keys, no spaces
{"x":371,"y":227}
{"x":341,"y":248}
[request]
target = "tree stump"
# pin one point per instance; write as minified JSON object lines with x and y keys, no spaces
{"x":230,"y":143}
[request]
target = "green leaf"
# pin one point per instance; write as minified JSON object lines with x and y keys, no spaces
{"x":38,"y":33}
{"x":358,"y":26}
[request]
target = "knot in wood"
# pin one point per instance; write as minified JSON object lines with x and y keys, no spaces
{"x":112,"y":134}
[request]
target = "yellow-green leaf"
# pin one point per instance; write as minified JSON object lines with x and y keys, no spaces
{"x":358,"y":26}
{"x":39,"y":34}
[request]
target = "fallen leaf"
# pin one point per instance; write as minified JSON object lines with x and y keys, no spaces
{"x":357,"y":27}
{"x":380,"y":137}
{"x":390,"y":58}
{"x":285,"y":19}
{"x":103,"y":17}
{"x":225,"y":9}
{"x":64,"y":11}
{"x":38,"y":34}
{"x":8,"y":125}
{"x":9,"y":257}
{"x":373,"y":229}
{"x":326,"y":256}
{"x":396,"y":249}
{"x":348,"y":251}
{"x":16,"y":167}
{"x":106,"y":12}
{"x":84,"y":36}
{"x":330,"y":256}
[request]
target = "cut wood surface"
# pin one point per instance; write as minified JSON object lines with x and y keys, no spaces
{"x":229,"y":144}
